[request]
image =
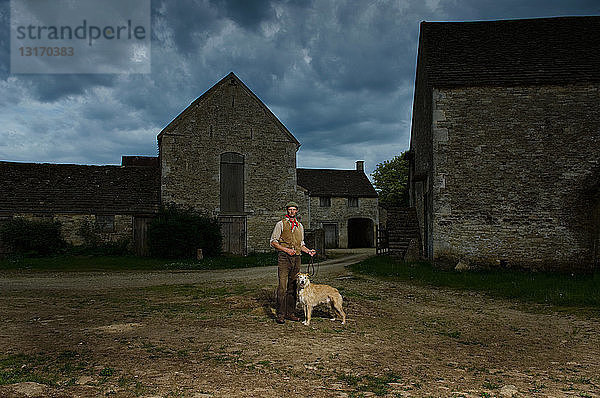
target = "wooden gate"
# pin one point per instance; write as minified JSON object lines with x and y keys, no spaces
{"x":140,"y":235}
{"x":233,"y":230}
{"x":382,"y":246}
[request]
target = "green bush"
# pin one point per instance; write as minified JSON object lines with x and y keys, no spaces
{"x":31,"y":237}
{"x":178,"y":233}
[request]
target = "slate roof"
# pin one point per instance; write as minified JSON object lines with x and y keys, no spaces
{"x":143,"y":161}
{"x":510,"y":52}
{"x":72,"y":188}
{"x":340,"y":183}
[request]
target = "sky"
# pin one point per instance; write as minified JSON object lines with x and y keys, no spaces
{"x":339,"y":74}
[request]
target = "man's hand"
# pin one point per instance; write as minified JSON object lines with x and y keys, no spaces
{"x":306,"y":250}
{"x":287,"y":250}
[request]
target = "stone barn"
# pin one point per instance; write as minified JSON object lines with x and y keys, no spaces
{"x":225,"y":155}
{"x":505,"y":142}
{"x":229,"y":156}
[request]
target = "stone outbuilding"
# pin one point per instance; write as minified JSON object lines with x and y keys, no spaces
{"x":113,"y":202}
{"x":505,"y":142}
{"x":341,"y":202}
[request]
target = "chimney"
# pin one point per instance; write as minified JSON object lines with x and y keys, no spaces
{"x":360,"y":165}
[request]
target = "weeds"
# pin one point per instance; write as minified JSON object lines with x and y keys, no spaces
{"x":490,"y":385}
{"x":375,"y":384}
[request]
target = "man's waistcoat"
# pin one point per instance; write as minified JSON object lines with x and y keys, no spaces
{"x":291,"y":239}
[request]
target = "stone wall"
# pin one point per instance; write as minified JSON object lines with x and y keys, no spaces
{"x":71,"y":226}
{"x":421,"y":161}
{"x":339,"y":213}
{"x":229,"y":118}
{"x":516,"y":175}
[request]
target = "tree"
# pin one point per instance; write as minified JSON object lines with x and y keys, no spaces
{"x":391,"y":181}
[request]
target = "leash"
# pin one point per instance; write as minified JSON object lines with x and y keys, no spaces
{"x":311,"y":265}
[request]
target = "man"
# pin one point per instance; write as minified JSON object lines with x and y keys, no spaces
{"x":288,"y":238}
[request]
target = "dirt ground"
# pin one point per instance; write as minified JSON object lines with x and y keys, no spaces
{"x":212,"y":334}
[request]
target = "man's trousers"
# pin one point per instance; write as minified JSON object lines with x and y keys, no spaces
{"x":288,"y":268}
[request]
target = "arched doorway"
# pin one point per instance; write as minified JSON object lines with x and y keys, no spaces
{"x":360,"y":233}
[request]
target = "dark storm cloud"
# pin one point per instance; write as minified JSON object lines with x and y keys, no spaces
{"x":49,"y":88}
{"x":339,"y":74}
{"x":363,"y":47}
{"x":247,"y":14}
{"x":185,"y":22}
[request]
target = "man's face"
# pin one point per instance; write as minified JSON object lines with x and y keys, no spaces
{"x":291,"y":211}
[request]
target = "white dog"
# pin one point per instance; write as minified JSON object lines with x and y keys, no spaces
{"x":311,"y":294}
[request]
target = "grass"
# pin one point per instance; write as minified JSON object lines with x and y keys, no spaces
{"x":87,"y":263}
{"x":558,"y":289}
{"x":129,"y":263}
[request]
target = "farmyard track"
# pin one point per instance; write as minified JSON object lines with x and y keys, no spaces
{"x":199,"y":334}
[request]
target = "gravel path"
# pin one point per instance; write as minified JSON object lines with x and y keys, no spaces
{"x":15,"y":281}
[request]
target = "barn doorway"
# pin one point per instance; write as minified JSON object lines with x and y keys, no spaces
{"x":233,"y":231}
{"x":360,"y":232}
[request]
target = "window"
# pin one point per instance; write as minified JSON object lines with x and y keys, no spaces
{"x":352,"y":202}
{"x":105,"y":223}
{"x":325,"y":201}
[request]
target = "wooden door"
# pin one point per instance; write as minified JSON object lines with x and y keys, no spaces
{"x":331,"y":235}
{"x":233,"y":230}
{"x":140,"y":235}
